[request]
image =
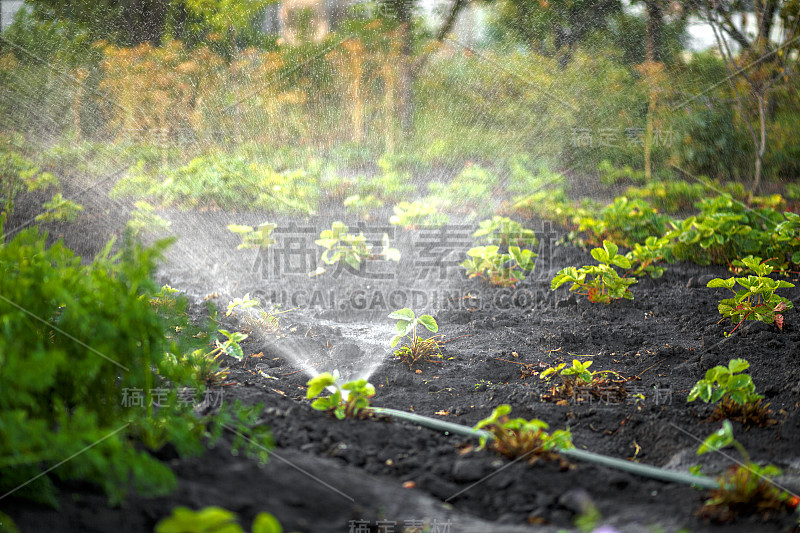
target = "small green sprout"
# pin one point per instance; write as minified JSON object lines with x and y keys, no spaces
{"x":214,"y":520}
{"x":352,"y":404}
{"x":503,"y":269}
{"x":519,"y":438}
{"x":745,"y":488}
{"x":756,"y":300}
{"x":734,"y":391}
{"x":578,"y":379}
{"x":600,"y":283}
{"x":254,"y":238}
{"x":417,"y":348}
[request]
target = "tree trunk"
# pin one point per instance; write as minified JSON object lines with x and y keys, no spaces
{"x":406,"y":76}
{"x":652,"y":55}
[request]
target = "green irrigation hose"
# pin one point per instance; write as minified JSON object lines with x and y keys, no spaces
{"x":578,"y":455}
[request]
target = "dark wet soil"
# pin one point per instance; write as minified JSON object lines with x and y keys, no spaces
{"x":331,"y":475}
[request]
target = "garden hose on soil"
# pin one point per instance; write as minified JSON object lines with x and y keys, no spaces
{"x":578,"y":455}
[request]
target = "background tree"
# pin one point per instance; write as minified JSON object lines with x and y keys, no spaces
{"x":762,"y":62}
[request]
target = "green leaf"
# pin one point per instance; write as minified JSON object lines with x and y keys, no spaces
{"x":429,"y":322}
{"x":318,"y":383}
{"x":600,"y":255}
{"x":208,"y":519}
{"x":403,"y":314}
{"x":266,"y":523}
{"x":717,"y":440}
{"x":723,"y":283}
{"x":403,"y":326}
{"x":395,"y":340}
{"x":738,"y":365}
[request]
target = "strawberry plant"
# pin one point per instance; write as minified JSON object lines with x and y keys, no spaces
{"x":254,"y":237}
{"x":412,"y":215}
{"x":350,"y":400}
{"x":725,"y":229}
{"x":600,"y":283}
{"x":504,"y":269}
{"x":577,"y":381}
{"x":756,"y":300}
{"x":733,"y":392}
{"x":417,"y":348}
{"x":214,"y":520}
{"x":351,"y":249}
{"x":623,"y":221}
{"x":517,"y":438}
{"x":643,"y":257}
{"x":505,"y":232}
{"x":745,"y":489}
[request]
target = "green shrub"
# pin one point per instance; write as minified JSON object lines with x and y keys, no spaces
{"x":78,"y":348}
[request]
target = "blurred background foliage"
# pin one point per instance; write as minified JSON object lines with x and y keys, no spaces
{"x":601,"y":89}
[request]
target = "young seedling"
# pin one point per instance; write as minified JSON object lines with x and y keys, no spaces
{"x":745,"y":489}
{"x":351,"y":404}
{"x":577,"y":381}
{"x":517,"y":438}
{"x":600,"y":283}
{"x":505,"y":232}
{"x":214,"y":520}
{"x":756,"y":300}
{"x":352,"y":249}
{"x":205,"y":365}
{"x":503,"y":269}
{"x":254,"y":238}
{"x":417,"y":348}
{"x":733,"y":392}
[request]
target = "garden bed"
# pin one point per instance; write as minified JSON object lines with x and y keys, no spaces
{"x":331,"y":475}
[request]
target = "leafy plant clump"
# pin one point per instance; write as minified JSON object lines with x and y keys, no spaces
{"x":417,"y":348}
{"x":503,"y":269}
{"x":341,"y":246}
{"x":578,"y":382}
{"x":89,"y":385}
{"x":259,"y":237}
{"x":600,"y":283}
{"x":362,"y":205}
{"x":745,"y":489}
{"x":214,"y":520}
{"x":350,"y":400}
{"x":517,"y":438}
{"x":756,"y":300}
{"x":733,"y":393}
